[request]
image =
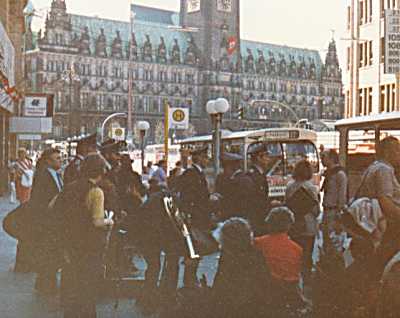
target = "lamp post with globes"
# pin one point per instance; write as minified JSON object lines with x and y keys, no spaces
{"x":216,"y":109}
{"x":143,"y":127}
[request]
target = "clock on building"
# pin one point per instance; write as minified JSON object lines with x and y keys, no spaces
{"x":224,"y":5}
{"x":193,"y":5}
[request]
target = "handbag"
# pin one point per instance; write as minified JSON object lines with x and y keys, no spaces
{"x":17,"y":223}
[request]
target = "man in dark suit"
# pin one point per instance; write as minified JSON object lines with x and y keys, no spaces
{"x":255,"y":186}
{"x":228,"y":187}
{"x":193,"y":189}
{"x":84,"y":147}
{"x":47,"y":184}
{"x":195,"y":202}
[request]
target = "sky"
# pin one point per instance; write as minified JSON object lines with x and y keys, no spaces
{"x":305,"y":23}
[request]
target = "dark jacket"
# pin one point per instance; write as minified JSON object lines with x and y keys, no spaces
{"x":151,"y":229}
{"x":194,"y":196}
{"x":252,"y":198}
{"x":72,"y":172}
{"x":232,"y":189}
{"x":242,"y":285}
{"x":44,"y":190}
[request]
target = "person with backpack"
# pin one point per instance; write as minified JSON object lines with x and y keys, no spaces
{"x":83,"y":233}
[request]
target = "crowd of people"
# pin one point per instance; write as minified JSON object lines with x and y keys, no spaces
{"x":76,"y":221}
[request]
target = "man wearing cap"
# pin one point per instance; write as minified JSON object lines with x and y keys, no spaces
{"x":256,"y":192}
{"x":85,"y":146}
{"x":194,"y":198}
{"x":228,"y":187}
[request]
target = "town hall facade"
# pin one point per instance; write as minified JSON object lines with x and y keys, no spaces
{"x":185,"y":58}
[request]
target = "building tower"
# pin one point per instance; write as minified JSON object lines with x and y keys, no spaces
{"x":218,"y":23}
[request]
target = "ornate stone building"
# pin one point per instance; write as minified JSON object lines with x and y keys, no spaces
{"x":185,"y":57}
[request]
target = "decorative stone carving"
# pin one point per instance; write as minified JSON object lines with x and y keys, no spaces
{"x":302,"y":69}
{"x":249,"y":65}
{"x":162,"y":51}
{"x":176,"y":53}
{"x":282,"y":69}
{"x":191,"y":52}
{"x":261,"y":65}
{"x":313,"y":69}
{"x":271,"y":64}
{"x":147,"y":50}
{"x":292,"y":67}
{"x":239,"y":64}
{"x":133,"y":48}
{"x":84,"y":44}
{"x":101,"y":44}
{"x":116,"y":49}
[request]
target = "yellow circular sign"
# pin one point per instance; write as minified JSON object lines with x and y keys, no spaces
{"x":118,"y":132}
{"x":178,"y":115}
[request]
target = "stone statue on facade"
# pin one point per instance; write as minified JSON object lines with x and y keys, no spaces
{"x":292,"y":67}
{"x":84,"y":43}
{"x":302,"y":69}
{"x":162,"y":51}
{"x":312,"y":69}
{"x":147,"y":50}
{"x":176,"y":53}
{"x":116,"y":49}
{"x":239,"y":64}
{"x":133,"y":48}
{"x":261,"y":64}
{"x":191,"y":52}
{"x":282,"y":69}
{"x":271,"y":64}
{"x":101,"y":44}
{"x":249,"y":65}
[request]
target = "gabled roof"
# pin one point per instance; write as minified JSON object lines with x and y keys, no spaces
{"x":284,"y":50}
{"x":140,"y":27}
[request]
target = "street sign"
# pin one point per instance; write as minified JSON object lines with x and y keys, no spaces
{"x":392,"y":41}
{"x":118,"y":133}
{"x":179,"y":118}
{"x":31,"y":125}
{"x":35,"y":106}
{"x":29,"y":137}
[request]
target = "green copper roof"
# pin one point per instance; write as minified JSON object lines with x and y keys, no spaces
{"x":286,"y":51}
{"x":141,"y":29}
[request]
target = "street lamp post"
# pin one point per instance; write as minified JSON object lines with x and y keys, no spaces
{"x":143,"y":127}
{"x":70,"y":77}
{"x":216,"y":109}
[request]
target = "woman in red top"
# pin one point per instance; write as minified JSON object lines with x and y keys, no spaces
{"x":283,"y":257}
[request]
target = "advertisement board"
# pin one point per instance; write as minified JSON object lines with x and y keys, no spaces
{"x":392,"y":41}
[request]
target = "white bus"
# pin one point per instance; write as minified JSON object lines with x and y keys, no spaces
{"x":287,"y":146}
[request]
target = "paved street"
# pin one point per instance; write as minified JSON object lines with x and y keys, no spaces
{"x":19,"y":300}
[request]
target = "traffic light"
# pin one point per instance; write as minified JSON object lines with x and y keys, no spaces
{"x":240,"y":113}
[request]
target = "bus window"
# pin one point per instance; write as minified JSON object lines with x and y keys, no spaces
{"x":298,"y":151}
